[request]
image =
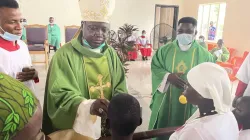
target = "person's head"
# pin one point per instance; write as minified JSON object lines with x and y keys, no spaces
{"x":242,"y":110}
{"x":220,"y":43}
{"x":144,"y":32}
{"x":209,"y":81}
{"x":124,"y":115}
{"x":186,"y":31}
{"x":95,"y":33}
{"x":51,"y":20}
{"x":20,"y":110}
{"x":201,"y":38}
{"x":10,"y":18}
{"x":211,"y":23}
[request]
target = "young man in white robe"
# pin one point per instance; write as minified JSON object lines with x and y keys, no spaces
{"x":242,"y":114}
{"x":15,"y":59}
{"x":209,"y":89}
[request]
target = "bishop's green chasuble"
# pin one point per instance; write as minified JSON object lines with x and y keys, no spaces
{"x":167,"y":111}
{"x":76,"y":74}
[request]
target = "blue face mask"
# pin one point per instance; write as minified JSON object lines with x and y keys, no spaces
{"x":185,"y":39}
{"x":9,"y":37}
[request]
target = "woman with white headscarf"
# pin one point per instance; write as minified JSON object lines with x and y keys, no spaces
{"x":209,"y":89}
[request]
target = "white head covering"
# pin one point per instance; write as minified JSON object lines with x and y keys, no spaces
{"x":96,"y":10}
{"x":212,"y":82}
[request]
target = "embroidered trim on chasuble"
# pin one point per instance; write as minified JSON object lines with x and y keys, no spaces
{"x":98,"y":77}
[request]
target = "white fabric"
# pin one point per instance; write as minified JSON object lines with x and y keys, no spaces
{"x":143,"y":41}
{"x":85,"y":123}
{"x":96,"y":10}
{"x":244,"y":74}
{"x":244,"y":135}
{"x":214,"y":127}
{"x":218,"y":53}
{"x":132,"y":38}
{"x":13,"y":62}
{"x":163,"y":87}
{"x":211,"y":81}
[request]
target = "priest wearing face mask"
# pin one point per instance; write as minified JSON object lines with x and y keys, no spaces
{"x":15,"y":59}
{"x":169,"y":67}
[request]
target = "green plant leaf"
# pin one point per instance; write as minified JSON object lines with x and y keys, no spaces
{"x":24,"y":93}
{"x":16,"y":118}
{"x":27,"y":100}
{"x":30,"y":110}
{"x":13,"y":128}
{"x":7,"y":127}
{"x":9,"y":118}
{"x":7,"y":136}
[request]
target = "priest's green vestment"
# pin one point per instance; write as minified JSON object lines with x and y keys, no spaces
{"x":166,"y":109}
{"x":54,"y":35}
{"x":77,"y":74}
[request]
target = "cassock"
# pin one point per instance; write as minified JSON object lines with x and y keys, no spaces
{"x":145,"y":47}
{"x":220,"y":55}
{"x":54,"y":35}
{"x":244,"y":76}
{"x":132,"y":55}
{"x":166,"y":109}
{"x":20,"y":111}
{"x":13,"y":58}
{"x":78,"y":75}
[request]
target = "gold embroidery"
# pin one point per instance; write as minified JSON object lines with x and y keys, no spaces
{"x":181,"y":67}
{"x":100,"y":86}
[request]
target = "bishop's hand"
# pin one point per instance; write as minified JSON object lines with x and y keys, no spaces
{"x":99,"y":108}
{"x":174,"y":78}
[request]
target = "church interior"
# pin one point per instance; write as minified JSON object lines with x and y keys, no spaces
{"x":230,"y":17}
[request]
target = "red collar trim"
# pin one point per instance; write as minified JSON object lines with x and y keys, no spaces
{"x":142,"y":36}
{"x":8,"y":45}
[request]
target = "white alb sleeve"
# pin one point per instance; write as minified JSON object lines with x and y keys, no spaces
{"x":163,"y":87}
{"x":85,"y":123}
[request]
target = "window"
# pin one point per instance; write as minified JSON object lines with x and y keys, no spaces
{"x":211,"y":20}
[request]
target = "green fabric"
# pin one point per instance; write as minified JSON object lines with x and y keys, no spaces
{"x":17,"y":106}
{"x":166,"y":109}
{"x":24,"y":36}
{"x":224,"y":56}
{"x":204,"y":45}
{"x":67,"y":82}
{"x":54,"y":35}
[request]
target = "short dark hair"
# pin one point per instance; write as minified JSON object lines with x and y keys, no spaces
{"x":9,"y":4}
{"x":191,"y":20}
{"x":143,"y":31}
{"x":124,"y":114}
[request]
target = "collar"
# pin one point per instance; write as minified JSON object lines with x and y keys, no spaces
{"x":8,"y":45}
{"x":142,"y":36}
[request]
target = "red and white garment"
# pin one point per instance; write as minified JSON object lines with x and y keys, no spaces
{"x":145,"y":46}
{"x":14,"y":56}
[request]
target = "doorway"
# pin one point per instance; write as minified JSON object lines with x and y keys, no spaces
{"x":164,"y":14}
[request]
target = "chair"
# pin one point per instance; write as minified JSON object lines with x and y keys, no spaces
{"x":70,"y":31}
{"x":211,"y":46}
{"x":37,"y":41}
{"x":232,"y":52}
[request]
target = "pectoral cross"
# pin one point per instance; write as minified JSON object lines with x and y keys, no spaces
{"x":100,"y":86}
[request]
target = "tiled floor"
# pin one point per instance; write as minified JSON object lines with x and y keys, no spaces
{"x":139,"y":83}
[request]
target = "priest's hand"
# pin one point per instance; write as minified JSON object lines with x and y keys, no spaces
{"x":174,"y":78}
{"x":28,"y":73}
{"x":99,"y":108}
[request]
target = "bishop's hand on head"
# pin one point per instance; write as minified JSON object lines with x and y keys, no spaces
{"x":174,"y":78}
{"x":99,"y":108}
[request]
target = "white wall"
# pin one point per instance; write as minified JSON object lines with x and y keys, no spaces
{"x":66,"y":12}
